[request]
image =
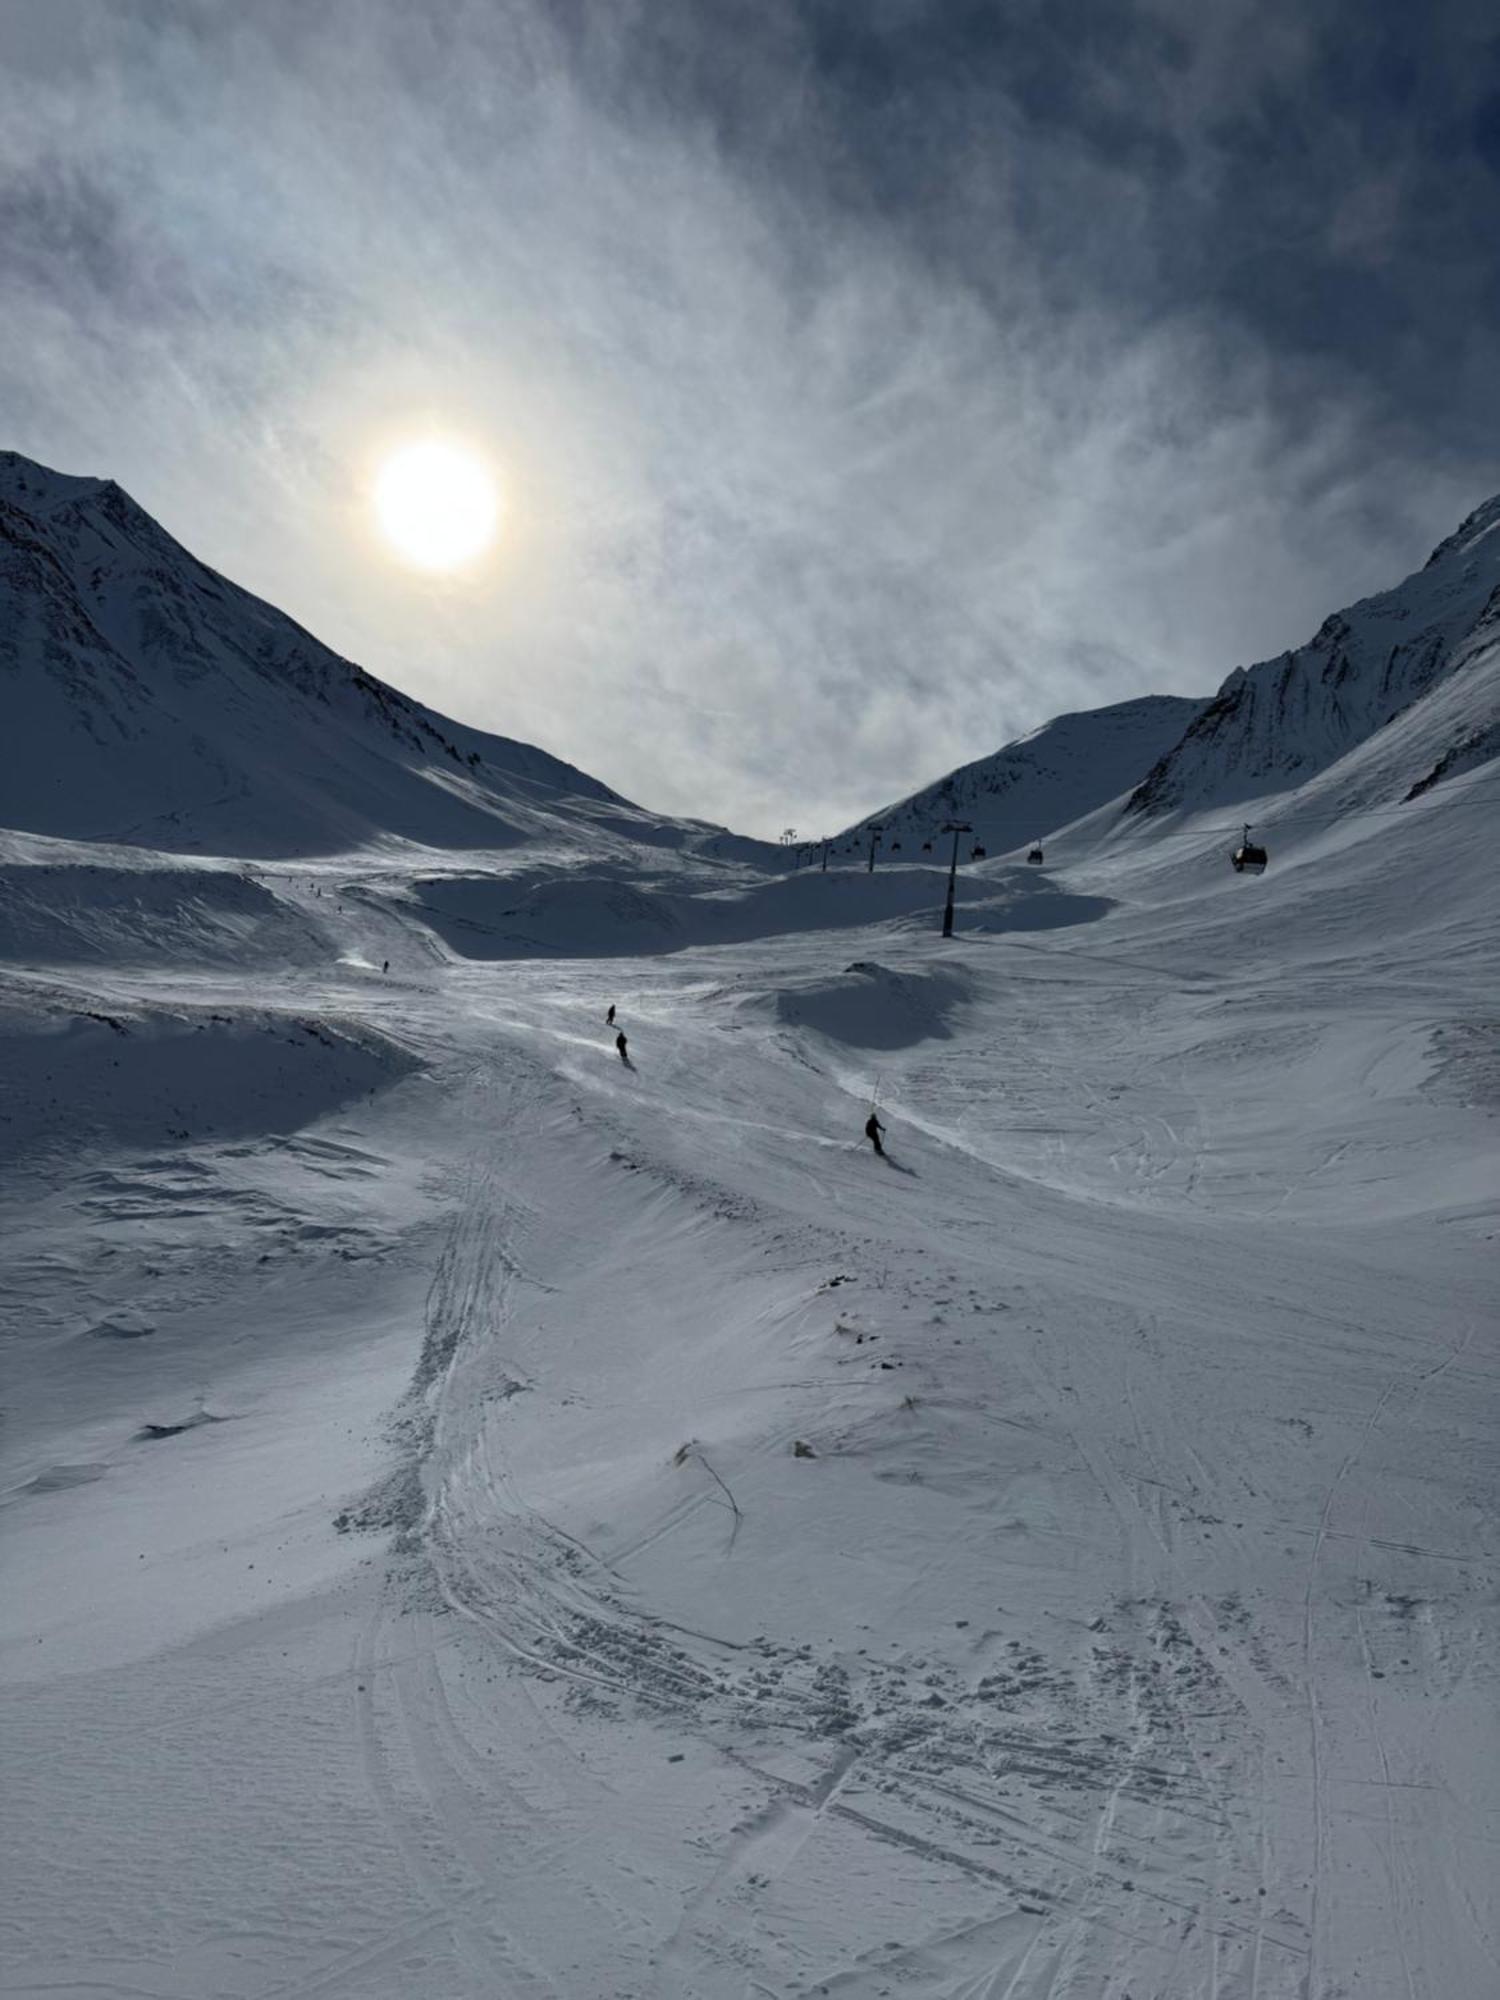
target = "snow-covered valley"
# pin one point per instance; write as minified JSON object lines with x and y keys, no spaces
{"x":484,"y":1517}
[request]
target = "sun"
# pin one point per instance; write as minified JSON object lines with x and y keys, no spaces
{"x":437,"y":504}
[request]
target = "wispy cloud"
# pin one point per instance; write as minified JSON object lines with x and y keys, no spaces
{"x":862,"y":399}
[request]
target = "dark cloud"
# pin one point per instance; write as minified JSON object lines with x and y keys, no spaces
{"x":1318,"y":172}
{"x":63,"y":233}
{"x":1486,"y":131}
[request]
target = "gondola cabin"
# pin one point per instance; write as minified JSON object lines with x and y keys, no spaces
{"x":978,"y":853}
{"x":1248,"y":858}
{"x":1035,"y":855}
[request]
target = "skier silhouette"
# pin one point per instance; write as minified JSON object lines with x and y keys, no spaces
{"x":609,"y":1019}
{"x":621,"y":1046}
{"x":873,"y":1130}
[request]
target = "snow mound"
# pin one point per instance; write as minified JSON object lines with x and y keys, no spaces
{"x":1011,"y":899}
{"x":70,"y":1079}
{"x":869,"y":1006}
{"x":586,"y":915}
{"x":590,"y":914}
{"x":74,"y":915}
{"x":595,"y":915}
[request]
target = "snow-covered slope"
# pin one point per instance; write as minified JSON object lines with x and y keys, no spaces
{"x":484,"y":1517}
{"x":1280,"y":723}
{"x":1060,"y":772}
{"x":147,"y":699}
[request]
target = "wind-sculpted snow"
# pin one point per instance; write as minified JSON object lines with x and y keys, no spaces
{"x":67,"y":913}
{"x":556,"y":1528}
{"x":82,"y":1077}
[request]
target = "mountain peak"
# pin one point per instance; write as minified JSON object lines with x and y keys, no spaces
{"x":1484,"y":520}
{"x":1068,"y":767}
{"x":1286,"y":719}
{"x":41,"y":491}
{"x":152,"y":699}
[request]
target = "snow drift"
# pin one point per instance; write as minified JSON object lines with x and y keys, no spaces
{"x":74,"y":1078}
{"x":71,"y":914}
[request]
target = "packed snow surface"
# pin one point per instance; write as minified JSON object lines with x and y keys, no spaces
{"x":485,"y":1519}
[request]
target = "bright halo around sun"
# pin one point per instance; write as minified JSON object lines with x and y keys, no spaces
{"x":437,"y":504}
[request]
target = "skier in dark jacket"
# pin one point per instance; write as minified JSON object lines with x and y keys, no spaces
{"x":609,"y":1019}
{"x":873,"y":1130}
{"x":620,"y":1045}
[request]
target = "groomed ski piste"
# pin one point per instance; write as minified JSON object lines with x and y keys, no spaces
{"x":483,"y":1518}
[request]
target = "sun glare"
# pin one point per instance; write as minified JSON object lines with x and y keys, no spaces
{"x":436,"y":504}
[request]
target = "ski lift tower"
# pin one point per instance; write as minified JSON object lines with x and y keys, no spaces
{"x":877,"y":828}
{"x":955,"y":827}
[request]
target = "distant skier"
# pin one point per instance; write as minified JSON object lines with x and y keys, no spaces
{"x":386,"y":966}
{"x":620,"y":1044}
{"x":873,"y":1130}
{"x":609,"y":1019}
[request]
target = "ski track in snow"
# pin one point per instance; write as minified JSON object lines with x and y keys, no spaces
{"x":1121,"y":1631}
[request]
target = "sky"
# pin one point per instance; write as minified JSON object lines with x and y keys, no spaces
{"x":868,"y":381}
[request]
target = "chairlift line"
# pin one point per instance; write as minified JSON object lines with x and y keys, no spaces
{"x":1349,"y":812}
{"x":1295,"y":818}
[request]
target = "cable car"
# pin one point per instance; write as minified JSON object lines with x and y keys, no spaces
{"x":895,"y":847}
{"x":1034,"y":853}
{"x":1248,"y":858}
{"x":927,"y":847}
{"x":978,"y":853}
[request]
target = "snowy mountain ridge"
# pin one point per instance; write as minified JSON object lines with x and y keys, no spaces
{"x":491,"y":1509}
{"x":1056,"y":774}
{"x":1275,"y":725}
{"x":153,"y":700}
{"x":1285,"y":720}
